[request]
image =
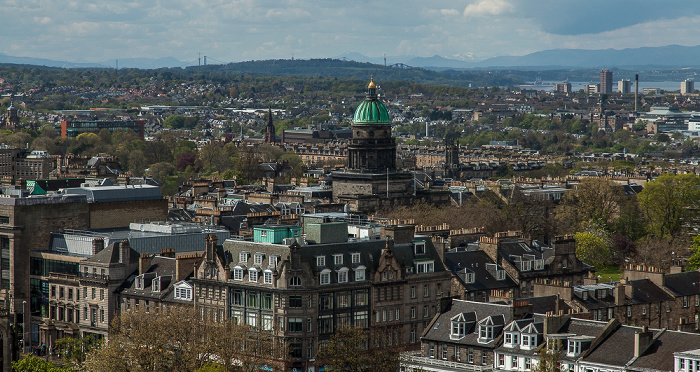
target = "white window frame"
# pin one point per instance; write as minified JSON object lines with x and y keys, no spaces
{"x":258,"y":258}
{"x":424,"y":267}
{"x":267,"y":276}
{"x":243,"y":257}
{"x":324,"y":277}
{"x":320,"y":260}
{"x":238,"y":273}
{"x":253,"y":275}
{"x":338,"y":259}
{"x":355,"y":258}
{"x":360,"y":273}
{"x":419,"y":248}
{"x":343,"y":275}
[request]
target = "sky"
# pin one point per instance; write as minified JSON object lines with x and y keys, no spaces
{"x":242,"y":30}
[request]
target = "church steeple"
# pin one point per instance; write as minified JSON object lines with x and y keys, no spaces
{"x":270,"y":128}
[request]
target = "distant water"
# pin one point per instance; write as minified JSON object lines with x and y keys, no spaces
{"x":578,"y":85}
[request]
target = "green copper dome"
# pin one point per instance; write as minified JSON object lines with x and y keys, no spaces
{"x":371,"y":110}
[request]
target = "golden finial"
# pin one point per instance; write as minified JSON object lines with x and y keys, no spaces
{"x":371,"y":83}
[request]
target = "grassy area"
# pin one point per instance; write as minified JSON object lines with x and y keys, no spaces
{"x":608,"y":274}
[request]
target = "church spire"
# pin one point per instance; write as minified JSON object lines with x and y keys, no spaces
{"x":270,"y":128}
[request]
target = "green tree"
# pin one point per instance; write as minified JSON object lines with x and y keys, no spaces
{"x":594,"y":246}
{"x":74,"y":350}
{"x":669,"y":203}
{"x":33,"y":364}
{"x":356,"y":350}
{"x":694,"y":260}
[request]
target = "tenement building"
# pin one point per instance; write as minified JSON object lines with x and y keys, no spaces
{"x":304,"y":289}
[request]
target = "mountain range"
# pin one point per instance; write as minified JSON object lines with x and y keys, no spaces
{"x":670,"y":56}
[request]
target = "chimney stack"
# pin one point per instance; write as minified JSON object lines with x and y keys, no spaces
{"x":97,"y":245}
{"x":211,"y":247}
{"x":642,"y":339}
{"x":619,"y":294}
{"x":124,"y":252}
{"x":144,"y":262}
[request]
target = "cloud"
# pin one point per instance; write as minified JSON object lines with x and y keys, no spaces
{"x":488,"y":7}
{"x":449,"y":12}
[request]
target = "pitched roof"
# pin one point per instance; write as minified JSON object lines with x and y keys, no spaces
{"x":110,"y":255}
{"x":659,"y":355}
{"x":476,"y":261}
{"x":440,"y":329}
{"x":683,"y":284}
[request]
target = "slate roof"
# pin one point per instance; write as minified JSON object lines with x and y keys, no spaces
{"x":544,"y":304}
{"x":441,"y":327}
{"x":160,"y":267}
{"x":110,"y":255}
{"x":645,"y":291}
{"x":475,"y":261}
{"x":683,"y":284}
{"x":617,"y":349}
{"x":659,"y":355}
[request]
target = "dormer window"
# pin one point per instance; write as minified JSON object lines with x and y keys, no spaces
{"x":574,"y":348}
{"x":272,"y":262}
{"x":267,"y":277}
{"x":512,"y":339}
{"x":238,"y":273}
{"x":425,"y":267}
{"x":139,"y":282}
{"x":459,"y":327}
{"x":355,"y":258}
{"x":325,"y":277}
{"x":360,"y":274}
{"x":243,"y":257}
{"x":155,"y":285}
{"x":528,"y":341}
{"x":258,"y":259}
{"x":419,"y":247}
{"x":343,"y":275}
{"x":320,"y":260}
{"x":485,"y":333}
{"x":539,"y":264}
{"x":338,"y":259}
{"x":500,"y":275}
{"x":526,"y":265}
{"x":253,"y":274}
{"x":183,"y":293}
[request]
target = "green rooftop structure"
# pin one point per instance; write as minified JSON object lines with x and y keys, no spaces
{"x":274,"y":234}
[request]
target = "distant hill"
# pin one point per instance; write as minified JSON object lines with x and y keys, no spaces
{"x":671,"y":56}
{"x":666,"y":56}
{"x":4,"y":58}
{"x":358,"y":70}
{"x":142,"y":63}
